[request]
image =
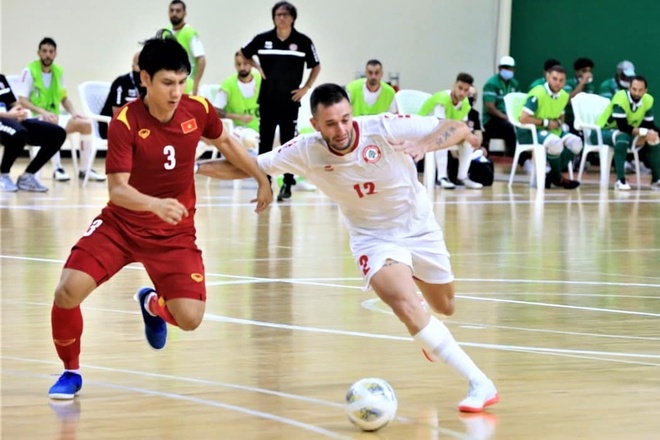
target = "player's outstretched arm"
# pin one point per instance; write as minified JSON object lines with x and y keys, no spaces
{"x":220,"y":169}
{"x":446,"y":134}
{"x":237,"y":155}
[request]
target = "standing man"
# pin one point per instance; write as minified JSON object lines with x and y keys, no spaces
{"x":283,"y":53}
{"x":150,"y":216}
{"x":630,"y":115}
{"x":43,"y":91}
{"x":496,"y":124}
{"x":187,"y":36}
{"x":394,"y":236}
{"x":453,"y":104}
{"x":124,"y":89}
{"x":16,"y":130}
{"x":238,"y":100}
{"x":545,"y":107}
{"x":371,"y":95}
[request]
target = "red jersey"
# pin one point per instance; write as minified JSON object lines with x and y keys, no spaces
{"x":159,"y":156}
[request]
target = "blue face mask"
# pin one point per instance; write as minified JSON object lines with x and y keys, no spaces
{"x":506,"y":74}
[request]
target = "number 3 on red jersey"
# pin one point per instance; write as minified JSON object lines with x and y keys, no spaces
{"x":170,"y":157}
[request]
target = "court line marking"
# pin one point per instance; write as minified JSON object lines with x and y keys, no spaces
{"x":205,"y":402}
{"x":221,"y":385}
{"x":280,"y":326}
{"x":371,"y":304}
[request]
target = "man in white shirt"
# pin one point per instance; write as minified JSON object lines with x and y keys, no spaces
{"x":365,"y":167}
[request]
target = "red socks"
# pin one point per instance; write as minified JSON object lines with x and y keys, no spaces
{"x":67,"y":325}
{"x":158,"y":307}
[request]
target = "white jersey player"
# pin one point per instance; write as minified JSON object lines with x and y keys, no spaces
{"x":364,"y":165}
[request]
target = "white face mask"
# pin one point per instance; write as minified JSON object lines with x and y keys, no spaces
{"x":624,"y":84}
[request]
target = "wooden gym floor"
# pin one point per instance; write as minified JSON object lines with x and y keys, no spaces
{"x":558,"y":301}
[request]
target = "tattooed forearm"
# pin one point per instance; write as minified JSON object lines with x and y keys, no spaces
{"x":445,"y":135}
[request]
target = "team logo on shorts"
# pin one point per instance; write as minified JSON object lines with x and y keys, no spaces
{"x":144,"y":133}
{"x":293,"y":46}
{"x":197,"y":277}
{"x":371,"y":154}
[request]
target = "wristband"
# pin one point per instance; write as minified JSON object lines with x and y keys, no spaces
{"x":546,"y":122}
{"x":643,"y":131}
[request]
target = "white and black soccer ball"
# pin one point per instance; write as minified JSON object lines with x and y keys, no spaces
{"x":370,"y":403}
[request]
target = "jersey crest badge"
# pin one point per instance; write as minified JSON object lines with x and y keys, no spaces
{"x":189,"y":126}
{"x":371,"y":154}
{"x":293,"y":46}
{"x":144,"y":133}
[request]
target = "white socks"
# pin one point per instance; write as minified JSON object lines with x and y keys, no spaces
{"x":85,"y":155}
{"x":441,"y":160}
{"x":464,"y":159}
{"x":438,"y":343}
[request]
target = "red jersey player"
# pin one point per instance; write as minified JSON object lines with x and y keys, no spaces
{"x":150,"y":216}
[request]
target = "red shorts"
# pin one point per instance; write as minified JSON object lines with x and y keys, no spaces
{"x":170,"y":256}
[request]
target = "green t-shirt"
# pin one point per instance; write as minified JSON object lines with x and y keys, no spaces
{"x":385,"y":98}
{"x":537,"y":82}
{"x":239,"y":104}
{"x":572,"y":83}
{"x":494,"y":91}
{"x":608,"y":88}
{"x":622,"y":106}
{"x":544,"y":105}
{"x":456,"y":112}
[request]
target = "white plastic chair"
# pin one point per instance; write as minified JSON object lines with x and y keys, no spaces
{"x":409,"y":102}
{"x":92,"y":95}
{"x":514,"y":103}
{"x":587,"y":107}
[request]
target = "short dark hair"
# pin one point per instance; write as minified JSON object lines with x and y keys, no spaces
{"x":163,"y":54}
{"x":49,"y":41}
{"x":557,"y":68}
{"x":549,"y":63}
{"x":178,"y":2}
{"x":465,"y":78}
{"x":374,"y":62}
{"x":640,"y":78}
{"x":327,"y":94}
{"x":581,"y":63}
{"x":288,"y":6}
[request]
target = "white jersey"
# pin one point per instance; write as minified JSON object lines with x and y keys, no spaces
{"x":376,"y":187}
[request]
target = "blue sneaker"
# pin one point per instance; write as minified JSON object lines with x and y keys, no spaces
{"x":66,"y":387}
{"x":155,"y":327}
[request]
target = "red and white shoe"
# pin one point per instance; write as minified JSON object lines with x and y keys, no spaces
{"x":481,"y":394}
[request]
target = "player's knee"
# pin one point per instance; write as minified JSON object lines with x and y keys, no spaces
{"x":66,"y":296}
{"x":189,"y":321}
{"x":407,"y":310}
{"x":442,"y":305}
{"x":554,"y":145}
{"x":573,"y":143}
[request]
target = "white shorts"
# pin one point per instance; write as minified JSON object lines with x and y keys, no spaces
{"x":426,"y":254}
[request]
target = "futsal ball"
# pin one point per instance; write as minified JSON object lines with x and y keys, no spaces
{"x":370,"y":404}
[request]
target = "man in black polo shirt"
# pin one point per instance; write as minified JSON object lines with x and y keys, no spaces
{"x":283,"y":53}
{"x":17,"y":130}
{"x":124,"y":89}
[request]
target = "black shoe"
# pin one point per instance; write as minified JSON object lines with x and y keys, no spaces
{"x":561,"y":182}
{"x":285,"y":192}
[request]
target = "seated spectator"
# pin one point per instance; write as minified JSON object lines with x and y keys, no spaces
{"x":16,"y":131}
{"x":453,"y":104}
{"x":371,"y":95}
{"x":625,"y":71}
{"x":546,"y":66}
{"x":43,"y":91}
{"x":630,"y":115}
{"x":545,"y":108}
{"x":124,"y":89}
